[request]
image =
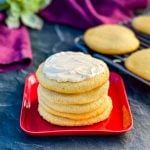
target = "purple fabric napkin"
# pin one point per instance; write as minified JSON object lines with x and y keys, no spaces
{"x":15,"y":47}
{"x":86,"y":13}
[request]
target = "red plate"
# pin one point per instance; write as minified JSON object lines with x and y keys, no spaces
{"x":119,"y":121}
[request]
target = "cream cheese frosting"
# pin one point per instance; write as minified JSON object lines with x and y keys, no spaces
{"x":72,"y":67}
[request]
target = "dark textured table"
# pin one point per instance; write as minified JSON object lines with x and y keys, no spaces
{"x":51,"y":39}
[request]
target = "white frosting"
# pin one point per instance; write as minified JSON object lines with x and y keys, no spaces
{"x":72,"y":66}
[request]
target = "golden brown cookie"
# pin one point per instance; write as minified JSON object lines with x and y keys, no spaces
{"x":111,"y":39}
{"x":142,"y":24}
{"x":139,"y":63}
{"x":61,"y":121}
{"x":82,"y":98}
{"x":73,"y":87}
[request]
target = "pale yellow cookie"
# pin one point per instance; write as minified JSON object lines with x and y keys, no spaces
{"x":76,"y":108}
{"x":111,"y":39}
{"x":82,"y":98}
{"x":87,"y":115}
{"x":73,"y":87}
{"x":139,"y":63}
{"x":61,"y":121}
{"x":142,"y":24}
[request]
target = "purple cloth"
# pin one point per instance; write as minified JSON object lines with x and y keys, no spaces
{"x":15,"y":47}
{"x":86,"y":13}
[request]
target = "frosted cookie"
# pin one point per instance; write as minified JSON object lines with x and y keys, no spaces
{"x":111,"y":39}
{"x":76,"y":108}
{"x":142,"y":24}
{"x":82,"y":98}
{"x":61,"y":121}
{"x":139,"y":63}
{"x":72,"y":72}
{"x":87,"y":115}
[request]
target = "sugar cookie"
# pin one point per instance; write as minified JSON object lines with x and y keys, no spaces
{"x":83,"y":98}
{"x":87,"y":115}
{"x":142,"y":24}
{"x":72,"y":87}
{"x":76,"y":108}
{"x":139,"y":63}
{"x":111,"y":39}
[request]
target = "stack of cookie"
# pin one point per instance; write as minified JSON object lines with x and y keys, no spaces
{"x":73,"y":90}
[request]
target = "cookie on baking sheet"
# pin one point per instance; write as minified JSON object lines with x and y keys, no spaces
{"x":83,"y":98}
{"x":61,"y":121}
{"x":142,"y":24}
{"x":139,"y":63}
{"x":111,"y":39}
{"x":73,"y":116}
{"x":76,"y":108}
{"x":73,"y":87}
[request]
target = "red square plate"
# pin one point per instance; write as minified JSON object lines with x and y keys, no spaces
{"x":119,"y":121}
